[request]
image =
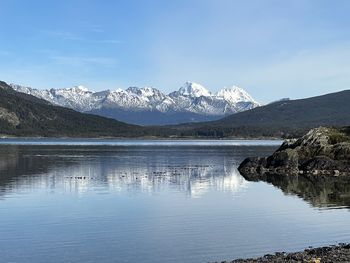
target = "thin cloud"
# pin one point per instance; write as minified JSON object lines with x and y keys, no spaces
{"x":65,"y":35}
{"x":108,"y":41}
{"x":96,"y":29}
{"x":306,"y":73}
{"x":82,"y":61}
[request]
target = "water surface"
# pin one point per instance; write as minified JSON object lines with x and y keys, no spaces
{"x":155,"y":202}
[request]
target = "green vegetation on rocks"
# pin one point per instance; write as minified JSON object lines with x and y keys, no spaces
{"x":322,"y":151}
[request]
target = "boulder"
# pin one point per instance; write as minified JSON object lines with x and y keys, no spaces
{"x":322,"y":151}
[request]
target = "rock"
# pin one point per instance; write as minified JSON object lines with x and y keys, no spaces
{"x":340,"y":253}
{"x":320,"y":163}
{"x":253,"y":167}
{"x":322,"y":151}
{"x":287,"y":158}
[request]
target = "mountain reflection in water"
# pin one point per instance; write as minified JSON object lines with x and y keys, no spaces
{"x":133,"y":169}
{"x":143,"y":169}
{"x":71,"y":203}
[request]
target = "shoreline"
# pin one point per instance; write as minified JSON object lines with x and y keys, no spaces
{"x":136,"y":142}
{"x":2,"y":136}
{"x":334,"y":253}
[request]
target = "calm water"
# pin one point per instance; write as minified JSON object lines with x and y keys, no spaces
{"x":182,"y":201}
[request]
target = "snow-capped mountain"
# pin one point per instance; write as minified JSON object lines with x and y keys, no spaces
{"x":193,"y":90}
{"x":192,"y":102}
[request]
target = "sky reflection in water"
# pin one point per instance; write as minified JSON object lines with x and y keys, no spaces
{"x":161,"y":203}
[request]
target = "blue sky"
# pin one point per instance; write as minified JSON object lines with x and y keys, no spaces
{"x":272,"y":48}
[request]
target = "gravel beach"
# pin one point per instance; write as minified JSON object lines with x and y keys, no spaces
{"x":339,"y":253}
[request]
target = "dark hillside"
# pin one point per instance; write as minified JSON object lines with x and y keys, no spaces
{"x":25,"y":115}
{"x":280,"y":119}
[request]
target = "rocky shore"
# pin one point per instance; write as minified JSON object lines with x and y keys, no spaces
{"x":315,"y":167}
{"x":321,"y":152}
{"x":340,"y":253}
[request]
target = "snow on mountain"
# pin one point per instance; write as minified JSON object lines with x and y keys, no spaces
{"x":191,"y":98}
{"x":197,"y":99}
{"x":78,"y":97}
{"x":235,"y":94}
{"x":154,"y":98}
{"x":193,"y":90}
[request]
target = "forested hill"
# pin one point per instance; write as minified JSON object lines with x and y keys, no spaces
{"x":280,"y":119}
{"x":26,"y":115}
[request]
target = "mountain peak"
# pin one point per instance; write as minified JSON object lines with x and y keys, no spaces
{"x":192,"y":102}
{"x":80,"y":88}
{"x":145,"y":91}
{"x":193,"y":89}
{"x":235,"y":94}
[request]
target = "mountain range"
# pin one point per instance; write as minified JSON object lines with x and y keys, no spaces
{"x":25,"y":115}
{"x":285,"y":118}
{"x":149,"y":106}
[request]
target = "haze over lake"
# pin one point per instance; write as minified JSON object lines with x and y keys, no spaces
{"x":164,"y":201}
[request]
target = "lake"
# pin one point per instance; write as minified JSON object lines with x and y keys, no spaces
{"x":155,"y":201}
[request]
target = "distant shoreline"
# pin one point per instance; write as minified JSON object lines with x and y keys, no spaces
{"x":123,"y":142}
{"x":204,"y":138}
